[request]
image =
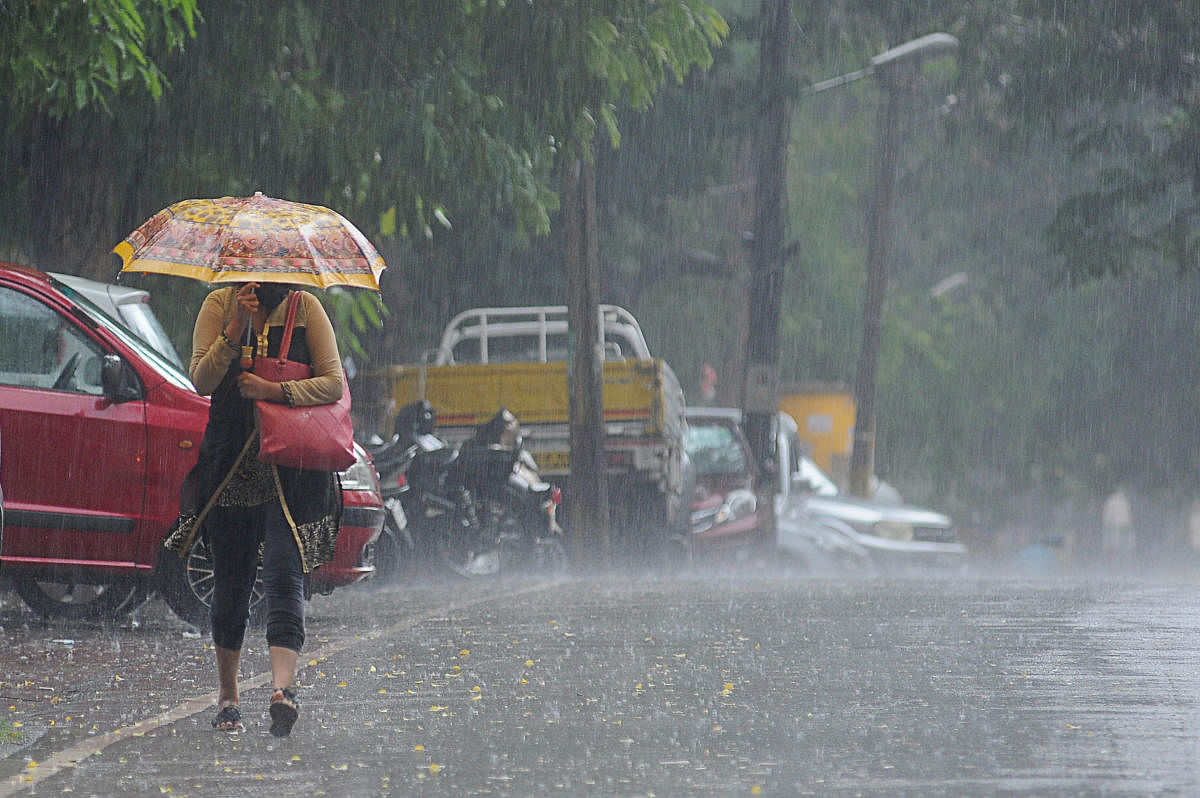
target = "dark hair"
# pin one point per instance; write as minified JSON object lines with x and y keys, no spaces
{"x":271,"y":294}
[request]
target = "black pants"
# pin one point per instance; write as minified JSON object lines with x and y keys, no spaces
{"x":234,"y":535}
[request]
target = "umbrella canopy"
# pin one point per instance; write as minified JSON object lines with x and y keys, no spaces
{"x":253,"y":239}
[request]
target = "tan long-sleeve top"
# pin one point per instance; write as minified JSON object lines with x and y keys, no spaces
{"x":211,"y":356}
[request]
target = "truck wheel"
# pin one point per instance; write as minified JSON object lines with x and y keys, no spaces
{"x":643,"y":525}
{"x":79,"y":601}
{"x":186,"y":584}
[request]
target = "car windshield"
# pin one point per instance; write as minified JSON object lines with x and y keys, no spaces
{"x":811,"y":478}
{"x":714,"y":449}
{"x":137,"y":317}
{"x":156,"y":359}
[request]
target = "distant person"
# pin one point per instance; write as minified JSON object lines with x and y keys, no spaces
{"x":1116,"y":524}
{"x":1194,"y":525}
{"x":292,"y":516}
{"x":1041,"y":557}
{"x":708,"y":383}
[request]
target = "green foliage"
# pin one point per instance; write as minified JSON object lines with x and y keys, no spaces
{"x":60,"y":58}
{"x":1016,"y":379}
{"x":1120,"y":83}
{"x":421,"y":121}
{"x":357,"y":313}
{"x":1062,"y":184}
{"x":9,"y":733}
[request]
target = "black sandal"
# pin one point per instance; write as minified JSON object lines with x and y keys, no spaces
{"x":285,"y":710}
{"x":229,"y":719}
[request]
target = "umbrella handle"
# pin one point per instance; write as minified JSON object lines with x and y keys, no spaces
{"x":248,"y":349}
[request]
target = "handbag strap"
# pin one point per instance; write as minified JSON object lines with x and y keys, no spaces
{"x":285,"y":343}
{"x":212,"y":500}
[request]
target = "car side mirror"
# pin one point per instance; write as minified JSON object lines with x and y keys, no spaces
{"x":119,"y":381}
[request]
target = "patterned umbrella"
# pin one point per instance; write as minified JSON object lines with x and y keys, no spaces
{"x":252,"y":239}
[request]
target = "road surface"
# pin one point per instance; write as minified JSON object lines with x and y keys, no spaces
{"x":755,"y":682}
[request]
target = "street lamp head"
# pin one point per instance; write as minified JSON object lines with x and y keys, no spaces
{"x":931,"y":46}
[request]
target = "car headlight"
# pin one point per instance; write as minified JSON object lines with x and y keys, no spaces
{"x":893,"y":530}
{"x":361,"y":475}
{"x":738,"y":504}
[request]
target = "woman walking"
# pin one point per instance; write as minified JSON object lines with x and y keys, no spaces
{"x":250,"y":510}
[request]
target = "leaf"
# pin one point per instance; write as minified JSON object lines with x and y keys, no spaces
{"x":387,"y":222}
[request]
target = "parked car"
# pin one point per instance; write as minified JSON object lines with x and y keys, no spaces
{"x":100,"y":429}
{"x":724,"y":506}
{"x":859,"y":533}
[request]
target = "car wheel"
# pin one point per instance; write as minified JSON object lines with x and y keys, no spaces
{"x":82,"y":601}
{"x":186,"y":584}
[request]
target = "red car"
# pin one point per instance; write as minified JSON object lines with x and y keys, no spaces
{"x":99,"y":430}
{"x":725,"y":508}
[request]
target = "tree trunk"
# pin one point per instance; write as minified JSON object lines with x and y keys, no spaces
{"x":588,"y":517}
{"x":731,"y":387}
{"x":72,"y":213}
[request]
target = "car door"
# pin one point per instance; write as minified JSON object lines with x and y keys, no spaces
{"x":75,"y":468}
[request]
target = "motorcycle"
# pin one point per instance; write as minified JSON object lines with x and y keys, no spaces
{"x":481,"y":509}
{"x":393,"y":553}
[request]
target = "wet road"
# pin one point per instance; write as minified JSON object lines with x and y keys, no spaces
{"x":756,"y":684}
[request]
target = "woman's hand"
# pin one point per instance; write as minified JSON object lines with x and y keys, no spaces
{"x":253,"y":386}
{"x":247,"y":301}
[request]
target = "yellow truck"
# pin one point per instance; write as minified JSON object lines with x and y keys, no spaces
{"x":516,"y":357}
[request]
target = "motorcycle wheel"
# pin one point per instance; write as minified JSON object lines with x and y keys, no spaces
{"x":467,"y":541}
{"x":549,"y":557}
{"x":393,"y":556}
{"x":186,"y":584}
{"x":79,"y":601}
{"x":519,"y":529}
{"x":469,"y":561}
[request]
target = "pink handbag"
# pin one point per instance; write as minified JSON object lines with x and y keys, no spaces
{"x":313,"y":437}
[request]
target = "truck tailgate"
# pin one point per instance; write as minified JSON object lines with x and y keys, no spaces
{"x":466,"y":395}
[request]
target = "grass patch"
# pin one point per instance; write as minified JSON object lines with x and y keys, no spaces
{"x":9,"y":733}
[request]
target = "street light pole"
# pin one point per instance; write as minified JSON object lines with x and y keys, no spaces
{"x":879,"y":225}
{"x":862,"y":457}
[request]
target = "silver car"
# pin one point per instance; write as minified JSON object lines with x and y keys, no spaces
{"x":815,"y":519}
